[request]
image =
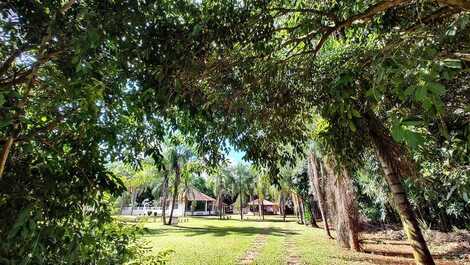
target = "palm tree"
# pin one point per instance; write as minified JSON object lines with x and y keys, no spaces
{"x":245,"y":183}
{"x":189,"y":169}
{"x":218,"y":181}
{"x":179,"y":155}
{"x":187,"y":190}
{"x":262,"y":186}
{"x":135,"y":179}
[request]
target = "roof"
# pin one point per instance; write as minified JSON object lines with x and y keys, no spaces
{"x":194,"y":195}
{"x":265,"y":203}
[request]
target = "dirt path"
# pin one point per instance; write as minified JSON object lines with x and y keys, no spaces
{"x":253,"y":250}
{"x":292,"y":257}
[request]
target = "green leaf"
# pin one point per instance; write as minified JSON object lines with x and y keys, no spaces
{"x":409,"y":91}
{"x":465,"y":197}
{"x":352,"y":126}
{"x":420,"y":94}
{"x":397,"y":132}
{"x":356,"y":113}
{"x":437,"y":88}
{"x":452,"y":63}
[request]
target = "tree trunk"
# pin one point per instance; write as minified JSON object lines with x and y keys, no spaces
{"x":219,"y":204}
{"x":165,"y":194}
{"x":259,"y":207}
{"x":185,"y":203}
{"x":352,"y":212}
{"x":241,"y":207}
{"x":175,"y":192}
{"x":347,"y":231}
{"x":300,"y":208}
{"x":132,"y":204}
{"x":262,"y":209}
{"x":4,"y":155}
{"x":241,"y":199}
{"x":311,"y":209}
{"x":396,"y":166}
{"x":284,"y":208}
{"x":317,"y":188}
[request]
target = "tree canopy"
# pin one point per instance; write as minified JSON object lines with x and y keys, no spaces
{"x":84,"y":83}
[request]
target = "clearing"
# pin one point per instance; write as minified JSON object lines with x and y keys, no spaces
{"x":207,"y":240}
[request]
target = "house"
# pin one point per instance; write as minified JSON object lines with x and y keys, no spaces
{"x":268,"y":207}
{"x":191,"y":202}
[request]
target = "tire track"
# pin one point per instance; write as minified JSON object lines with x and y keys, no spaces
{"x":253,"y":250}
{"x":292,"y":257}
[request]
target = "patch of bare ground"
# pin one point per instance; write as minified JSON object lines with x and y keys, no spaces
{"x":389,"y":246}
{"x":253,"y":250}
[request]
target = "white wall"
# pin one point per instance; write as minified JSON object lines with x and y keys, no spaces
{"x":176,"y":212}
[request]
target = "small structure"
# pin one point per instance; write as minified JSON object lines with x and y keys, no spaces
{"x":268,"y":207}
{"x":192,"y":202}
{"x":198,"y":203}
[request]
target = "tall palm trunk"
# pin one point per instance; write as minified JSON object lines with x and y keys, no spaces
{"x":165,"y":197}
{"x":220,"y":202}
{"x":312,"y":211}
{"x":133,"y":195}
{"x":241,"y":199}
{"x":175,"y":191}
{"x":241,"y":207}
{"x":317,"y":187}
{"x":284,"y":208}
{"x":185,"y":203}
{"x":262,"y":209}
{"x":396,"y":166}
{"x":347,"y":231}
{"x":302,"y":209}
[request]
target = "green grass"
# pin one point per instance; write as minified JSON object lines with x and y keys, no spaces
{"x":207,"y":240}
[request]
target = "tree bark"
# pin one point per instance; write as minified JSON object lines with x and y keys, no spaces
{"x":241,"y":207}
{"x":175,"y":192}
{"x":165,"y":193}
{"x":347,"y":231}
{"x":262,"y":209}
{"x":396,"y":165}
{"x":219,"y":204}
{"x":185,"y":203}
{"x":132,"y":200}
{"x":5,"y":152}
{"x":241,"y":199}
{"x":311,"y":209}
{"x":259,"y":207}
{"x":284,"y":208}
{"x":301,"y":208}
{"x":317,"y":187}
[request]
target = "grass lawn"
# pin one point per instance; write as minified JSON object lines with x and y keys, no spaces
{"x":207,"y":240}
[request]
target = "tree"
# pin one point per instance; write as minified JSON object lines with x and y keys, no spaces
{"x":316,"y":175}
{"x":178,"y":159}
{"x":347,"y":231}
{"x":262,"y":188}
{"x":244,"y":181}
{"x":135,"y":180}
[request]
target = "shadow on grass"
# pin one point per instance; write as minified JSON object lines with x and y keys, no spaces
{"x":219,"y":231}
{"x":250,"y":218}
{"x":452,"y":256}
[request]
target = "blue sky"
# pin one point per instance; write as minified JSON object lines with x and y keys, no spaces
{"x":234,"y":155}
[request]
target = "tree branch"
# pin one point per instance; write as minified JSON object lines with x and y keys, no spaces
{"x":9,"y":61}
{"x":460,"y":4}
